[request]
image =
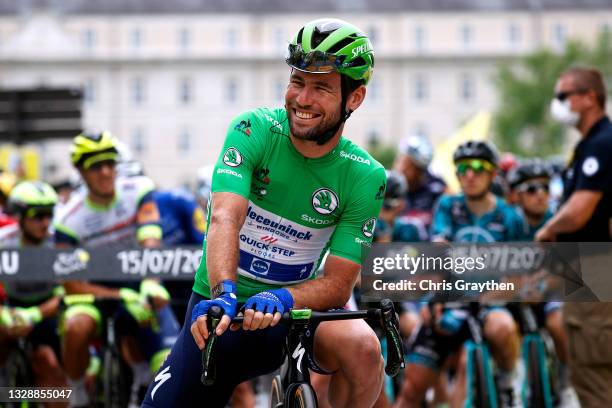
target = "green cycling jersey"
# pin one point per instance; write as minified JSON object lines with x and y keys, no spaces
{"x":299,"y":208}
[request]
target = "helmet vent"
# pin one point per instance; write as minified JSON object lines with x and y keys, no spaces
{"x":318,"y":37}
{"x":299,"y":36}
{"x":340,"y":45}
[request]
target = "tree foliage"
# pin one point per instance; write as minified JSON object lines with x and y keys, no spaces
{"x":522,"y":124}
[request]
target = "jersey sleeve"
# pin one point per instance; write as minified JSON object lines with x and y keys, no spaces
{"x":442,"y":221}
{"x":595,"y":172}
{"x":243,"y":149}
{"x":358,"y":221}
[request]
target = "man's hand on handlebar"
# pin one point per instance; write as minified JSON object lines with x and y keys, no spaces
{"x":226,"y":301}
{"x":265,"y":309}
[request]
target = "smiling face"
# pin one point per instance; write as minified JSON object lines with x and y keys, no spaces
{"x":313,"y":103}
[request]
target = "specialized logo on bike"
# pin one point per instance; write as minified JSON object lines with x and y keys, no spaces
{"x":298,"y":354}
{"x":368,"y":228}
{"x":324,"y":201}
{"x":232,"y":157}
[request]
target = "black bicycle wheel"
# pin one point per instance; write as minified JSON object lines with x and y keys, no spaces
{"x":301,"y":396}
{"x":481,"y":392}
{"x":535,"y":375}
{"x":116,"y":388}
{"x":19,"y":374}
{"x":277,"y":394}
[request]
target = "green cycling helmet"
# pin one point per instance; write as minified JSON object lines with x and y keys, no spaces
{"x":328,"y":45}
{"x":29,"y":198}
{"x":88,"y":149}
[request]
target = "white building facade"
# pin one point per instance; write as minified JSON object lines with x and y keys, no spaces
{"x":168,"y":82}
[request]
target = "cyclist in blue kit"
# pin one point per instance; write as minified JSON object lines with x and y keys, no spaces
{"x":475,"y":215}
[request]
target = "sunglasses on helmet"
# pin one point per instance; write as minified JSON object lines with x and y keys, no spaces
{"x":313,"y":61}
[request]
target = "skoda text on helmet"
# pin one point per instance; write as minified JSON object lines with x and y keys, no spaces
{"x":31,"y":197}
{"x":528,"y":170}
{"x":88,"y":149}
{"x":419,"y":149}
{"x":332,"y":45}
{"x":476,"y":150}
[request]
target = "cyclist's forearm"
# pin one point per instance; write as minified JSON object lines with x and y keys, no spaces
{"x":321,"y":294}
{"x":49,"y":307}
{"x":222,"y":250}
{"x":75,"y":287}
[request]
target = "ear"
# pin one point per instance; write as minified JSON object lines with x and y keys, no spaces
{"x":355,"y":99}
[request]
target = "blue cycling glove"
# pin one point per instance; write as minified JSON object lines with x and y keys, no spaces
{"x":270,"y":301}
{"x":226,"y":301}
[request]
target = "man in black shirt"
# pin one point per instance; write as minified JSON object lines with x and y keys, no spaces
{"x":580,"y":100}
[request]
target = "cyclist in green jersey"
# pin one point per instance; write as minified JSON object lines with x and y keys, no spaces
{"x":286,"y":189}
{"x":32,"y":306}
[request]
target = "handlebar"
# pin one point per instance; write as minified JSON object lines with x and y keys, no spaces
{"x":384,"y":316}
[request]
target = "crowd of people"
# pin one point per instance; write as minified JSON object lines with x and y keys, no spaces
{"x":501,"y":200}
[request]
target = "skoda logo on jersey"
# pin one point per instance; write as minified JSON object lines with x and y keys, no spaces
{"x":232,"y":157}
{"x":324,"y":201}
{"x":368,"y":228}
{"x":259,"y":267}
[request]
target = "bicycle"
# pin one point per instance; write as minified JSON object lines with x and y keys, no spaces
{"x":291,"y":387}
{"x":541,"y":388}
{"x":481,"y":389}
{"x":116,"y":380}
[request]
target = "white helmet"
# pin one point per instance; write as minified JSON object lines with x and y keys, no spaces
{"x":204,"y":181}
{"x":418,"y":148}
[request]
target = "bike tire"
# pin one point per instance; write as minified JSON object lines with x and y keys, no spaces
{"x":536,"y":377}
{"x":301,"y":396}
{"x":19,"y":375}
{"x":277,"y":393}
{"x":116,"y":389}
{"x":483,"y":396}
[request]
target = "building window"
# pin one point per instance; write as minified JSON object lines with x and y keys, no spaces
{"x":466,"y":33}
{"x":184,"y":39}
{"x":467,"y":88}
{"x":138,"y":140}
{"x":231,"y":90}
{"x":89,"y":90}
{"x":374,"y":91}
{"x":280,"y":87}
{"x":184,"y":141}
{"x":373,"y":34}
{"x":88,"y":38}
{"x":280,"y":40}
{"x":231,"y":38}
{"x":421,"y":91}
{"x":420,"y":129}
{"x":514,"y":35}
{"x":136,"y":38}
{"x":185,"y":90}
{"x":419,"y":37}
{"x":559,"y":35}
{"x":138,"y":91}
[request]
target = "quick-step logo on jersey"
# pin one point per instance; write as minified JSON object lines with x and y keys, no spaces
{"x":276,"y":250}
{"x":232,"y":157}
{"x":324,"y":201}
{"x":368,"y":228}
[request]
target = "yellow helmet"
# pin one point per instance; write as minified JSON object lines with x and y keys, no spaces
{"x":88,"y":149}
